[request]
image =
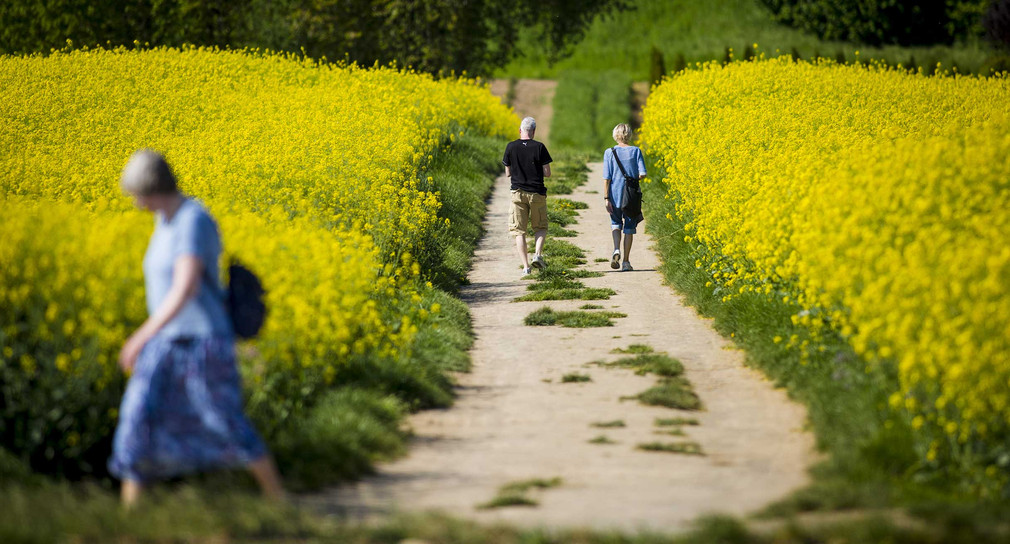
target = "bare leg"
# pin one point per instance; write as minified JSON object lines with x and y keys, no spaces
{"x":129,"y":493}
{"x":521,"y":248}
{"x":265,"y":473}
{"x":617,"y":238}
{"x":628,"y":239}
{"x":541,"y":235}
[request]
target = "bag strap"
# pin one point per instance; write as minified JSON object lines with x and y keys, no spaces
{"x":618,"y":161}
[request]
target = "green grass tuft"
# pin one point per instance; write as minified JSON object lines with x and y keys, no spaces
{"x":671,"y":393}
{"x":517,"y":493}
{"x":608,"y":424}
{"x":660,"y":364}
{"x":590,"y":307}
{"x":686,"y":448}
{"x":675,"y":421}
{"x":602,"y":439}
{"x":575,"y":377}
{"x":576,"y":319}
{"x":633,"y":349}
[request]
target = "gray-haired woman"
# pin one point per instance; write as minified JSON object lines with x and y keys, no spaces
{"x":182,"y":409}
{"x":633,"y":163}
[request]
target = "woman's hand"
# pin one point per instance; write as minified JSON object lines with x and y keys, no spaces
{"x":610,"y":206}
{"x":131,"y":350}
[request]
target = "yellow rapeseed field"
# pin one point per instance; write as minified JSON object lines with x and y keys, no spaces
{"x":880,"y":202}
{"x":311,"y":171}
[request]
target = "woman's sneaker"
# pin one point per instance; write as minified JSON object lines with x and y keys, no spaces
{"x":615,"y":259}
{"x":539,"y":262}
{"x":526,"y":272}
{"x":626,"y":267}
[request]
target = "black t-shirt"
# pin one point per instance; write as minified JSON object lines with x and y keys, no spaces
{"x":526,"y":159}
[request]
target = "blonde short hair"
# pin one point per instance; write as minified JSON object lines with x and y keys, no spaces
{"x":622,"y":133}
{"x":148,"y":173}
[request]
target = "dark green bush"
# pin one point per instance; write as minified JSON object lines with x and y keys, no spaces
{"x":995,"y":64}
{"x":877,"y":22}
{"x":657,"y":68}
{"x":679,"y":63}
{"x":997,"y":24}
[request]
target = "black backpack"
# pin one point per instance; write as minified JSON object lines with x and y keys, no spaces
{"x":244,"y":301}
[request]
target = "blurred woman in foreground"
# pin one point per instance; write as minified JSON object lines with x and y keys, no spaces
{"x":182,"y":409}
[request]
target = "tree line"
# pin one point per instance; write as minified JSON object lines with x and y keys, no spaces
{"x":437,"y":36}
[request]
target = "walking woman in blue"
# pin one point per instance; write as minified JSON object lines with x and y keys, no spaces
{"x":182,"y":409}
{"x":632,"y":162}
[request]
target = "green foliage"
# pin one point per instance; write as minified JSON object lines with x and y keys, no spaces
{"x":437,"y":36}
{"x":609,"y":424}
{"x":601,"y":439}
{"x":657,"y":68}
{"x":587,"y":107}
{"x":463,"y":175}
{"x":877,"y":22}
{"x":700,"y":31}
{"x":568,"y":170}
{"x":340,"y":438}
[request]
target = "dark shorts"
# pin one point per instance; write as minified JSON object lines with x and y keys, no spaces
{"x":621,"y":221}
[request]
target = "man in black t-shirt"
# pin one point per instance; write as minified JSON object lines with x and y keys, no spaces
{"x":527,"y":163}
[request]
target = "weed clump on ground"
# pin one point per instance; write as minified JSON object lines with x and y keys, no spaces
{"x":634,"y":349}
{"x":517,"y":493}
{"x":575,"y":319}
{"x":608,"y":424}
{"x":675,"y":421}
{"x":673,"y":392}
{"x":590,"y":307}
{"x":655,"y":363}
{"x":602,"y":439}
{"x":686,"y":448}
{"x":575,"y":377}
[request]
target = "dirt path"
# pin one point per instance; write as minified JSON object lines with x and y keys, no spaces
{"x":514,"y":419}
{"x":532,"y":98}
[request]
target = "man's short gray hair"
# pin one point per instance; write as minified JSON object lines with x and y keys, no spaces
{"x":147,"y":173}
{"x":528,"y":125}
{"x":622,"y":133}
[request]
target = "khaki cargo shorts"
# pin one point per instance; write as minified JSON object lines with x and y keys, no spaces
{"x":526,"y":208}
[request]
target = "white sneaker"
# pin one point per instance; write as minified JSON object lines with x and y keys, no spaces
{"x":626,"y":267}
{"x":539,"y":262}
{"x":615,"y":259}
{"x":527,"y":271}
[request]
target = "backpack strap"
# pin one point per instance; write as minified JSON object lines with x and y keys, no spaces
{"x":618,"y":161}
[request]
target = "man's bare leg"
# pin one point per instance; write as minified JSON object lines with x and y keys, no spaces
{"x":617,"y":238}
{"x":521,"y":248}
{"x":541,"y":235}
{"x":628,"y":239}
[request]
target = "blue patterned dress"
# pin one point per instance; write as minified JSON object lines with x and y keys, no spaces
{"x":182,"y":409}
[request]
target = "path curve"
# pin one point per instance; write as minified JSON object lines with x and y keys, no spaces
{"x":515,"y":420}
